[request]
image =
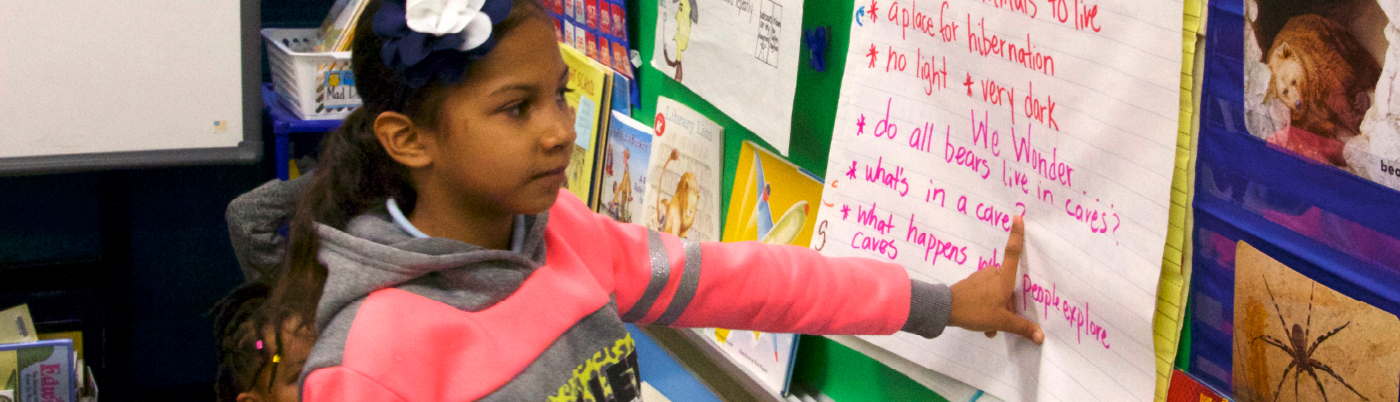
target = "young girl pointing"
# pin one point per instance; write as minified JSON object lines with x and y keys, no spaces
{"x":442,"y":261}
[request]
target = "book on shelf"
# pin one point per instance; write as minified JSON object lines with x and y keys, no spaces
{"x":75,"y":336}
{"x":590,"y":95}
{"x":772,"y":201}
{"x":16,"y":325}
{"x":626,"y":154}
{"x":42,"y":366}
{"x":336,"y":30}
{"x":42,"y":371}
{"x":683,"y":176}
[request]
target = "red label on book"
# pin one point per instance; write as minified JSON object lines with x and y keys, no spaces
{"x":1186,"y":389}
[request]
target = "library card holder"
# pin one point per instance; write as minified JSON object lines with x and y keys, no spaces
{"x":315,"y":86}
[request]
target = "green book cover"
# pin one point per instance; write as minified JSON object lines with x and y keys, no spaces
{"x":39,"y":371}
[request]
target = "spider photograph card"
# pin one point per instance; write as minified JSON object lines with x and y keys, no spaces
{"x":1298,"y":340}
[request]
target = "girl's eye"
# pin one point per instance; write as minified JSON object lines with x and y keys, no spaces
{"x":518,"y":109}
{"x":563,"y":92}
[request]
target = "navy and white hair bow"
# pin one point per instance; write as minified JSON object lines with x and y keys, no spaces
{"x":435,"y":39}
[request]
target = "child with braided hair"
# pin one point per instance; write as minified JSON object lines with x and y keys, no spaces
{"x":260,"y":351}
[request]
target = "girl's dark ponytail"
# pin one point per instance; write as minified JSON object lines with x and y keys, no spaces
{"x":353,"y":172}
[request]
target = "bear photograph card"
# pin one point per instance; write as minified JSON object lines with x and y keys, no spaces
{"x":1298,"y":340}
{"x":1320,"y":82}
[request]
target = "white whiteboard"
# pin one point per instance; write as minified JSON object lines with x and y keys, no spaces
{"x":90,"y":84}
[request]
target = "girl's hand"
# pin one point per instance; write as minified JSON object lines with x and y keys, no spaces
{"x":984,"y":301}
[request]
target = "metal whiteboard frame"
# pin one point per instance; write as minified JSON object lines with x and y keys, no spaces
{"x":248,"y":151}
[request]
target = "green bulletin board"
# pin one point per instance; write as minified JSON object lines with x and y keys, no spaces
{"x":838,"y":371}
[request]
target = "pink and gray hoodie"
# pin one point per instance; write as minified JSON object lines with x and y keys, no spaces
{"x":404,"y":318}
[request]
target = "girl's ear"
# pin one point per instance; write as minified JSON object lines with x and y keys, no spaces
{"x":402,"y":140}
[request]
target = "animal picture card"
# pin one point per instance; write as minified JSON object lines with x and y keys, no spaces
{"x":683,"y":176}
{"x":1320,"y":82}
{"x":627,"y":153}
{"x":741,"y":56}
{"x":1298,"y":340}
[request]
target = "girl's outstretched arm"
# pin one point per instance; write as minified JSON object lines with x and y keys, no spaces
{"x":658,"y":278}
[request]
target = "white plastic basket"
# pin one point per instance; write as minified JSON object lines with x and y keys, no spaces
{"x":315,"y":86}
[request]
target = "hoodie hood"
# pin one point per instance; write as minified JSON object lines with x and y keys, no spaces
{"x":374,"y":253}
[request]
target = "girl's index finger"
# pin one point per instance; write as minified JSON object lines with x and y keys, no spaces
{"x":1014,"y":246}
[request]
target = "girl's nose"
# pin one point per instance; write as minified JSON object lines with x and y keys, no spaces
{"x":560,"y":130}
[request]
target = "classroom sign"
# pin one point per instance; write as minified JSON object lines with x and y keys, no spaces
{"x":955,"y":116}
{"x":740,"y":55}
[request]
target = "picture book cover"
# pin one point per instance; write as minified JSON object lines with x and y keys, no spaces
{"x":773,"y":202}
{"x":622,"y":95}
{"x":627,"y":152}
{"x":39,"y":371}
{"x":590,"y":85}
{"x":683,"y":176}
{"x":337,"y":30}
{"x":333,"y":26}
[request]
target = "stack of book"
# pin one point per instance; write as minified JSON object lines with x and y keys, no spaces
{"x":597,"y":91}
{"x":338,"y":30}
{"x":38,"y":367}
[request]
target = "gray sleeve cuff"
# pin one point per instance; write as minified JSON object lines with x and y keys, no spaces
{"x":929,"y":307}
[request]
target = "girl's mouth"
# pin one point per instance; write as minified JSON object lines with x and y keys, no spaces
{"x":559,"y":172}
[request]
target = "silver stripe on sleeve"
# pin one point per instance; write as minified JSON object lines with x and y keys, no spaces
{"x":660,"y":272}
{"x":690,"y":281}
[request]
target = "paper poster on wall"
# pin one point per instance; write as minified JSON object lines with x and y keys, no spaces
{"x":955,"y":116}
{"x":739,"y":55}
{"x":1320,"y":82}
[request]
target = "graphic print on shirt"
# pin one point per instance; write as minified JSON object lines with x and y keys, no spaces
{"x":611,"y":375}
